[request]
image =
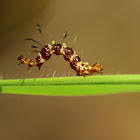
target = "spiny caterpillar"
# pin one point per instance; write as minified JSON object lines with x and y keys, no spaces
{"x":81,"y":68}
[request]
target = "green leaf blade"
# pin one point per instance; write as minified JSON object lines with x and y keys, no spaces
{"x":73,"y":86}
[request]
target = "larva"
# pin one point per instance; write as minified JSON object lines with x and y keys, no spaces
{"x":82,"y":69}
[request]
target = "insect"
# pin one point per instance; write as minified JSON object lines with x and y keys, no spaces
{"x":82,"y":69}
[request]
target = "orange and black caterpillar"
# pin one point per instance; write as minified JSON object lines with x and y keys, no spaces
{"x":81,"y":68}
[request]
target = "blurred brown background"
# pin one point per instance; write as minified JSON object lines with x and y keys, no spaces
{"x":106,"y":30}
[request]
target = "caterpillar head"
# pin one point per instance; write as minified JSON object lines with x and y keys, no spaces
{"x":98,"y":68}
{"x":20,"y":57}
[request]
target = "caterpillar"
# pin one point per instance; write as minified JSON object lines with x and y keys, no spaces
{"x":82,"y":69}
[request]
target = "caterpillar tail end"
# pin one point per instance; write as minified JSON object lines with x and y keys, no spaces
{"x":97,"y":68}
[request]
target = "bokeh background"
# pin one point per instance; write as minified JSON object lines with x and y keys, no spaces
{"x":107,"y":33}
